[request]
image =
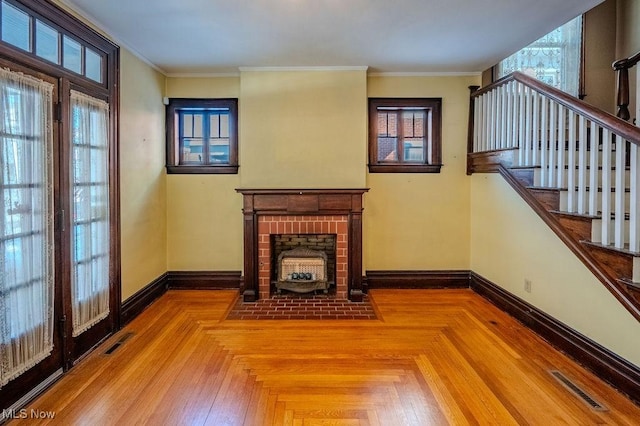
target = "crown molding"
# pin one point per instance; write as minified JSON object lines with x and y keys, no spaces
{"x":285,"y":69}
{"x":424,"y":74}
{"x":105,"y":31}
{"x":203,"y":74}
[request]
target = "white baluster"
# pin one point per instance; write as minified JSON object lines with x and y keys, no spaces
{"x":593,"y":170}
{"x":562,"y":151}
{"x":606,"y":187}
{"x":571,"y":161}
{"x":527,"y":136}
{"x":553,"y":150}
{"x":515,"y":116}
{"x":521,"y":122}
{"x":634,"y":213}
{"x":492,"y":124}
{"x":544,"y":149}
{"x":485,"y":127}
{"x":509,"y":115}
{"x":535,"y":130}
{"x":477,"y":125}
{"x":503,"y":116}
{"x":582,"y":165}
{"x":619,"y":207}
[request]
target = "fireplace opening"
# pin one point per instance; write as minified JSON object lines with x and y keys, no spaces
{"x":303,"y":263}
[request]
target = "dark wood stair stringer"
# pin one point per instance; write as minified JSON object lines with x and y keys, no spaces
{"x":604,"y":267}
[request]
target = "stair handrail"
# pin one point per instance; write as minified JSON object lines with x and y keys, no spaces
{"x":621,"y":67}
{"x":602,"y":118}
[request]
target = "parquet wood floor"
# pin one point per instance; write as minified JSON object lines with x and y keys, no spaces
{"x":433,"y":357}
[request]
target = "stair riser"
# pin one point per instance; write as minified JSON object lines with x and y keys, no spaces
{"x":596,"y":230}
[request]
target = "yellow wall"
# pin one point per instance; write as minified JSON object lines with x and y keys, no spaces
{"x":204,"y":212}
{"x":142,"y":178}
{"x":421,"y":221}
{"x":600,"y":51}
{"x":303,"y":129}
{"x":509,"y":243}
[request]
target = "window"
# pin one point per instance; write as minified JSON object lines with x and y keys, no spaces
{"x":202,"y":136}
{"x":404,"y":135}
{"x":553,"y":59}
{"x":44,"y":42}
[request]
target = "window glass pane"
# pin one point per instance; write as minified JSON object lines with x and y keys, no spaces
{"x":47,"y":42}
{"x":187,"y":125}
{"x":414,"y":149}
{"x":214,"y":125}
{"x":16,"y":27}
{"x":93,"y":65}
{"x":387,"y":149}
{"x":72,"y":55}
{"x":197,"y":126}
{"x":192,"y":150}
{"x":219,"y":150}
{"x":224,"y":125}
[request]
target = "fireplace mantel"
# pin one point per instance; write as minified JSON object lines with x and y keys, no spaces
{"x":331,"y":202}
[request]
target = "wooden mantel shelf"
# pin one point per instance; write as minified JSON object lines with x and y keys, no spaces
{"x":302,"y":201}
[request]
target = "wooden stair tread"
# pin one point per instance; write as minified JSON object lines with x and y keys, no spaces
{"x":630,"y":283}
{"x":624,"y":251}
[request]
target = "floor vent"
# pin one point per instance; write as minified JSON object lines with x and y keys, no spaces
{"x":119,"y":343}
{"x":595,"y":405}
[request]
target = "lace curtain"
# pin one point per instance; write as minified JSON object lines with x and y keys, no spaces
{"x":553,"y":59}
{"x":26,"y":223}
{"x":90,"y":206}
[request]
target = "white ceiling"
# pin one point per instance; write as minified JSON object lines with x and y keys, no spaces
{"x":422,"y":36}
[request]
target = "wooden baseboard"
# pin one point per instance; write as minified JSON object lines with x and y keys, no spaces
{"x":611,"y":368}
{"x":134,"y":305}
{"x":214,"y":280}
{"x":417,"y":279}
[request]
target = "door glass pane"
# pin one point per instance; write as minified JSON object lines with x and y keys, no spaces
{"x":72,"y":54}
{"x":93,"y":65}
{"x":16,"y":27}
{"x":47,"y":42}
{"x":90,"y":206}
{"x":26,"y":223}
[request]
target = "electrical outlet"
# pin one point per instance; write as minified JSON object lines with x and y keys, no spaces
{"x":527,"y":285}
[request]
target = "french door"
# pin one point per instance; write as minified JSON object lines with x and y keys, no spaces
{"x":56,"y":280}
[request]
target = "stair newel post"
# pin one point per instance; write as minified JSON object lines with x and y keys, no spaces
{"x":622,"y":70}
{"x":472,"y":129}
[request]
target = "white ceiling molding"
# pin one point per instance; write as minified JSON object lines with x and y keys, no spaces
{"x":96,"y":24}
{"x":285,"y":69}
{"x":424,"y":74}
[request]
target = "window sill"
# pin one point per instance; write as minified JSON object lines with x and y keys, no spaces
{"x":202,"y":170}
{"x":405,"y":168}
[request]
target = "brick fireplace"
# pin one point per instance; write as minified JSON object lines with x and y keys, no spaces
{"x":269,"y":225}
{"x":269,"y":212}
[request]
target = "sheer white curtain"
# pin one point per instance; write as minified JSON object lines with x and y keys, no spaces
{"x":26,"y":223}
{"x":553,"y":59}
{"x":90,"y":206}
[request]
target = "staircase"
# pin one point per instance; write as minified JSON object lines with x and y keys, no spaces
{"x":576,"y":166}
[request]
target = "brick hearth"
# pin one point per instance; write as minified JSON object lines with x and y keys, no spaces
{"x":302,"y":224}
